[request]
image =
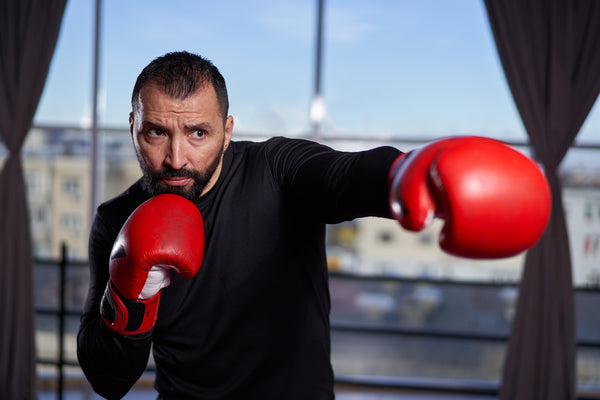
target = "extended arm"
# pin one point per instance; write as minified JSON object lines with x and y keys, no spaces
{"x":494,"y":200}
{"x":333,"y":186}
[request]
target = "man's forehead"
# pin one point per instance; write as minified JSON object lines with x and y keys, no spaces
{"x":152,"y":95}
{"x":153,"y":88}
{"x":155,"y":107}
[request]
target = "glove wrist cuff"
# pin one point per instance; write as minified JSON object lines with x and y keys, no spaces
{"x":126,"y":316}
{"x":393,"y":183}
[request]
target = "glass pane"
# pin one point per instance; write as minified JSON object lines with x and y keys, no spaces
{"x":76,"y":286}
{"x":57,"y":172}
{"x":580,"y":177}
{"x":70,"y":339}
{"x":46,"y":278}
{"x":46,"y":341}
{"x":414,"y":68}
{"x":590,"y":130}
{"x":386,"y":311}
{"x":67,"y":96}
{"x":3,"y":154}
{"x":75,"y":385}
{"x":588,"y":368}
{"x":424,"y":306}
{"x":376,"y":354}
{"x":381,"y":247}
{"x":372,"y":320}
{"x":420,"y":69}
{"x":46,"y":383}
{"x":586,"y":311}
{"x":119,"y":165}
{"x":47,"y":285}
{"x":264,"y":50}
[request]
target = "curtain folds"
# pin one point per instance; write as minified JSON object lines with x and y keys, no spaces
{"x":550,"y":52}
{"x":28,"y":34}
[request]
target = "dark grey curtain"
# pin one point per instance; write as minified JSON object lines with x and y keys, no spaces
{"x":550,"y":51}
{"x":28,"y":33}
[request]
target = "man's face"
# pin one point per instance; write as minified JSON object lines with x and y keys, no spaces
{"x":180,"y":143}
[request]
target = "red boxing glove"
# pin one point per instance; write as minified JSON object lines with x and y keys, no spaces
{"x":494,"y":200}
{"x":164,"y":234}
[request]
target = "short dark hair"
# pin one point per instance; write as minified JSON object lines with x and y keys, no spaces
{"x":180,"y":74}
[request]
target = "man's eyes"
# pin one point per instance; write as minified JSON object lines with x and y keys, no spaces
{"x":155,"y":132}
{"x":199,"y":133}
{"x":158,"y":132}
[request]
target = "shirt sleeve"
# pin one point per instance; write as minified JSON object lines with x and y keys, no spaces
{"x":111,"y":362}
{"x":329,"y":185}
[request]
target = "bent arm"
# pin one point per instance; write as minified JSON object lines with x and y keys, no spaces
{"x":110,"y":361}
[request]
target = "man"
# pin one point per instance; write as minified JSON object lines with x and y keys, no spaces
{"x":252,"y":321}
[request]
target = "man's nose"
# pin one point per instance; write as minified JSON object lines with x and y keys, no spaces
{"x":175,"y":157}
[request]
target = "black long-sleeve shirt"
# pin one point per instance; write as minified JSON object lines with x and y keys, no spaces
{"x":254,"y":322}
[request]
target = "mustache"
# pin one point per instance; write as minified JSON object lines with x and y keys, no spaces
{"x":168,"y":172}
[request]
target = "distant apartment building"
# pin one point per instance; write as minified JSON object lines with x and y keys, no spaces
{"x":58,"y":178}
{"x":58,"y":189}
{"x":382,"y":247}
{"x":378,"y":246}
{"x":582,"y":206}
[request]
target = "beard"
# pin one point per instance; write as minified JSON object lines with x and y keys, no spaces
{"x":151,"y":180}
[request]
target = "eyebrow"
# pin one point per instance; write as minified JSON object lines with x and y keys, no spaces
{"x":193,"y":127}
{"x":204,"y":126}
{"x":148,"y":124}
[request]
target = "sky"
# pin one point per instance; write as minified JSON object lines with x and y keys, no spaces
{"x":391,"y":68}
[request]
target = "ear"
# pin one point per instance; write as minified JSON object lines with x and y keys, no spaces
{"x":131,"y":123}
{"x":228,"y":131}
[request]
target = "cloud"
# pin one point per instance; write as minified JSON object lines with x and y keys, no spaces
{"x":290,"y":18}
{"x":348,"y":25}
{"x":298,"y":18}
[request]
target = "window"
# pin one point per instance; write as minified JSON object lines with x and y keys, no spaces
{"x":71,"y":222}
{"x":421,"y":69}
{"x":34,"y":182}
{"x":392,"y":71}
{"x":263,"y":48}
{"x":67,"y":96}
{"x":72,"y":187}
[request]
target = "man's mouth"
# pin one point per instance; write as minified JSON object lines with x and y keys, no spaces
{"x":176,"y":180}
